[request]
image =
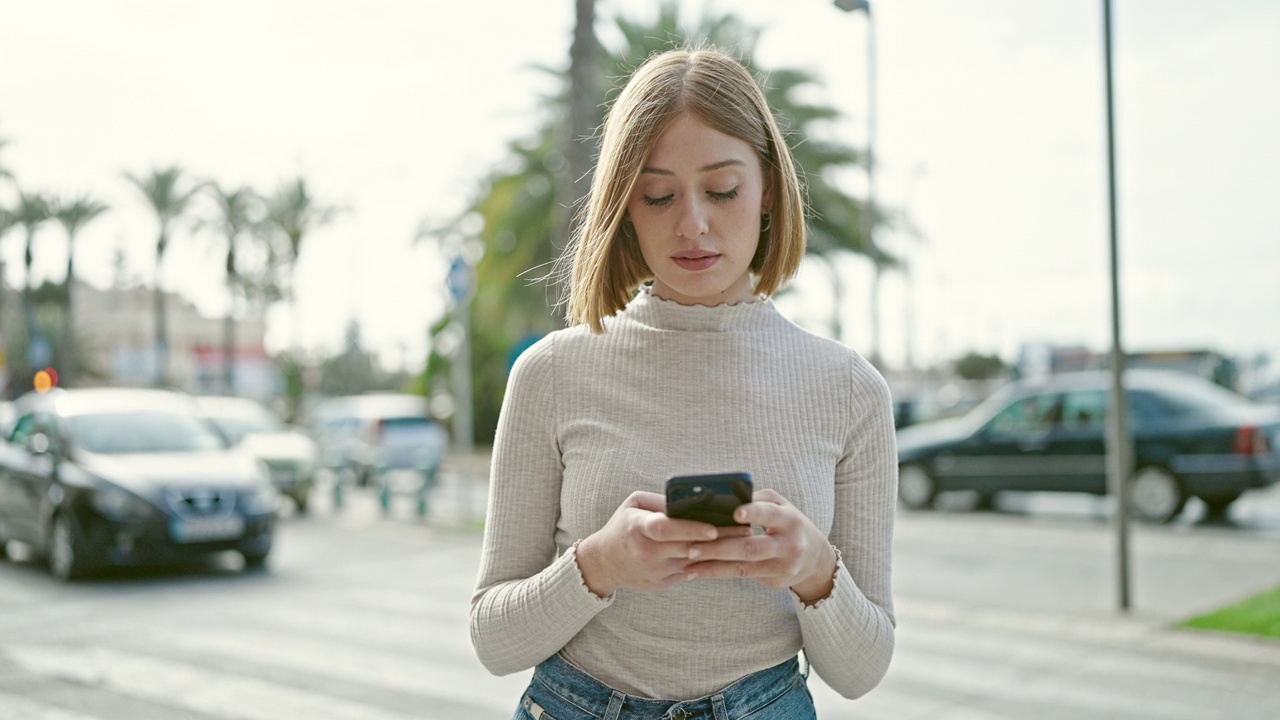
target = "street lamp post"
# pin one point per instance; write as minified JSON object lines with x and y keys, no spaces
{"x":1119,"y":440}
{"x":868,"y":214}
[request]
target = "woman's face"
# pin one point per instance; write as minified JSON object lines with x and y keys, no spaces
{"x":696,"y":210}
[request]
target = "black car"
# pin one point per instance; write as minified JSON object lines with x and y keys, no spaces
{"x":1191,"y":438}
{"x":99,"y":477}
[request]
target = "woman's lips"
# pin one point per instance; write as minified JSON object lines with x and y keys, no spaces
{"x":695,"y":262}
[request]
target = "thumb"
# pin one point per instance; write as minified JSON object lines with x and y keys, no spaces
{"x":653,"y":502}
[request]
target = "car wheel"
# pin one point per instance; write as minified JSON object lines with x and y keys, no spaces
{"x":255,"y":561}
{"x":916,"y":487}
{"x":1156,"y":495}
{"x":986,"y":500}
{"x":1216,"y":506}
{"x":66,"y":551}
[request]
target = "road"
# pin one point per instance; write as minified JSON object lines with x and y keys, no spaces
{"x":361,"y":616}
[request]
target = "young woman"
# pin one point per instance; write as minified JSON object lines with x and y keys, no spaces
{"x":677,"y":362}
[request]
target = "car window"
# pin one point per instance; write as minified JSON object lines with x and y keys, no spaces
{"x":1175,"y":398}
{"x":1084,"y":410}
{"x":1031,"y":414}
{"x":340,"y":426}
{"x":411,"y":431}
{"x":236,"y":426}
{"x":143,"y":432}
{"x":1146,"y":408}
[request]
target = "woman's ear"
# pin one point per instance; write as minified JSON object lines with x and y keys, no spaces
{"x":766,"y":199}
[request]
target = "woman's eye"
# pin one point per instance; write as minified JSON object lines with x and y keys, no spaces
{"x":658,"y":200}
{"x":726,"y":195}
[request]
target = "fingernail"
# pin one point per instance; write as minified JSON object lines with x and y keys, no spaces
{"x":691,"y":576}
{"x":695,"y":553}
{"x":710,"y":534}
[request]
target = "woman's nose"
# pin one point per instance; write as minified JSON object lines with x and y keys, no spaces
{"x":693,"y":219}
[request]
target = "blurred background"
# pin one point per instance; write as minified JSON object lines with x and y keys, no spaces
{"x":332,"y":223}
{"x":344,"y":156}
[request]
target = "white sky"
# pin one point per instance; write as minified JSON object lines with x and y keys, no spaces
{"x":990,"y":133}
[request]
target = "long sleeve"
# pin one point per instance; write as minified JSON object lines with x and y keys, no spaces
{"x":849,"y":635}
{"x":669,"y":389}
{"x":528,"y":603}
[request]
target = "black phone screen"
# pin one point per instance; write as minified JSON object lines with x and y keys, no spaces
{"x":708,"y":498}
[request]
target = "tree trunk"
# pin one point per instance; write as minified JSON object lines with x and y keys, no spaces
{"x":162,"y":336}
{"x":69,"y":368}
{"x":229,"y":353}
{"x":229,"y":327}
{"x":876,"y":273}
{"x":579,"y":144}
{"x":26,"y":259}
{"x":837,"y":297}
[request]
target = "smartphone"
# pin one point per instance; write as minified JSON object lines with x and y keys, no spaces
{"x":708,"y":498}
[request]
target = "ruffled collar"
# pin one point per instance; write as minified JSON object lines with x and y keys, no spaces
{"x":652,"y":311}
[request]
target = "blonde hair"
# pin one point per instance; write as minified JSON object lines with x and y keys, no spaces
{"x":607,"y":266}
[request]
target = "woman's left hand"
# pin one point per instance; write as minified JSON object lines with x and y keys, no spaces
{"x":792,"y":553}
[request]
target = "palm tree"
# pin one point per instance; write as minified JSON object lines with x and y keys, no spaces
{"x":7,"y":223}
{"x":519,"y":207}
{"x":32,"y":211}
{"x":166,"y":191}
{"x":584,"y":114}
{"x":237,"y":210}
{"x":4,"y":171}
{"x":294,"y":212}
{"x":73,"y":215}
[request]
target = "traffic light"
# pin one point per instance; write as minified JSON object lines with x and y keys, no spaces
{"x":45,"y":380}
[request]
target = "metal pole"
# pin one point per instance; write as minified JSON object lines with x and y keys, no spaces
{"x":463,"y":426}
{"x":868,"y":218}
{"x":1119,"y":444}
{"x":868,"y":214}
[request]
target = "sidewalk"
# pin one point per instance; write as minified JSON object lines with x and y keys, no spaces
{"x":1004,"y":619}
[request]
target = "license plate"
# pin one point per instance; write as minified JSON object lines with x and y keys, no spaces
{"x":189,"y":530}
{"x":284,"y":478}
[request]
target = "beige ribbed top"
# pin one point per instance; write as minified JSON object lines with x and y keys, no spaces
{"x":673,"y":389}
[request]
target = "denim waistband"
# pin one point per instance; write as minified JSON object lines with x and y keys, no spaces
{"x":742,"y":698}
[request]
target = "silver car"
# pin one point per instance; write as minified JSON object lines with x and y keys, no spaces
{"x":290,"y":455}
{"x":365,"y":436}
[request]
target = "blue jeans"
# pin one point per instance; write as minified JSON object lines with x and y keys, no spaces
{"x":561,"y":691}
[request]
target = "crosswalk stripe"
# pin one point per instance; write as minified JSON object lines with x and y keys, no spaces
{"x":207,"y":691}
{"x":16,"y":707}
{"x":462,"y":682}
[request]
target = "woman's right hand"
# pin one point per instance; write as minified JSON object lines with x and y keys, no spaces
{"x":640,"y":548}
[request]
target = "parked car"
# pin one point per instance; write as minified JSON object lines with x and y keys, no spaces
{"x":1191,"y":438}
{"x":290,"y":455}
{"x":365,"y":436}
{"x":97,"y":477}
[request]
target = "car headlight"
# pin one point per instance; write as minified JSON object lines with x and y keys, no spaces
{"x":262,"y":498}
{"x":119,"y":504}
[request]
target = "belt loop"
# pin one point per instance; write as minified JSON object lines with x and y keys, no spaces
{"x":718,"y":708}
{"x":805,"y":664}
{"x":615,"y":706}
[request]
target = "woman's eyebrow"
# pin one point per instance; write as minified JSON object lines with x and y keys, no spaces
{"x":705,"y":168}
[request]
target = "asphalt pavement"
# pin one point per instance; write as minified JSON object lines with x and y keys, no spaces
{"x":362,"y":615}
